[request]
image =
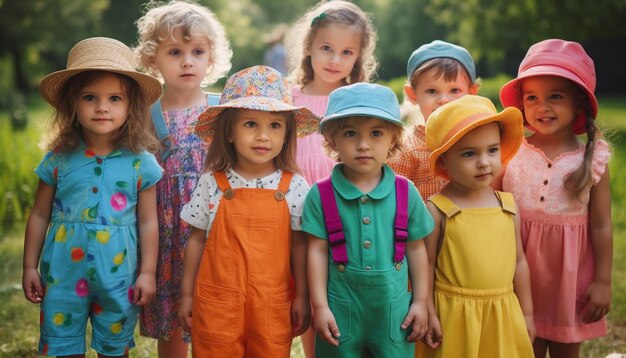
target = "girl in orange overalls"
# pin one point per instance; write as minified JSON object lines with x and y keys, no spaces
{"x":246,"y":253}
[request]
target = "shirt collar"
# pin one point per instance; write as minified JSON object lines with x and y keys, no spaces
{"x":350,"y":192}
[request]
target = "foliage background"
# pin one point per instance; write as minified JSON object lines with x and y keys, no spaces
{"x":35,"y":36}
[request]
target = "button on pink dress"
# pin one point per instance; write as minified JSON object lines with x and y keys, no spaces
{"x":556,"y":239}
{"x":310,"y":156}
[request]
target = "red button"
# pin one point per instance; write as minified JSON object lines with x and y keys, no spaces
{"x":99,"y":160}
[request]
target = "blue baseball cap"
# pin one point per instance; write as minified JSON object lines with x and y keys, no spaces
{"x":363,"y":99}
{"x":441,"y":49}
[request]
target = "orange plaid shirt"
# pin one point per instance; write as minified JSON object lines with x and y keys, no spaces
{"x":412,"y":163}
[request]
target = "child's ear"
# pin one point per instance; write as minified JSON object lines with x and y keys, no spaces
{"x":152,"y":63}
{"x":441,"y":163}
{"x":473,"y":88}
{"x":410,"y":93}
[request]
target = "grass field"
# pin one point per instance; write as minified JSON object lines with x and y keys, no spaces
{"x":19,"y":319}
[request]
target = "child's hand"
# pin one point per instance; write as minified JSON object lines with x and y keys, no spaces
{"x":417,"y":317}
{"x":530,"y":327}
{"x":184,"y":312}
{"x":300,"y":314}
{"x":31,"y":284}
{"x":433,"y":336}
{"x":326,"y":326}
{"x":145,"y":289}
{"x":596,"y":302}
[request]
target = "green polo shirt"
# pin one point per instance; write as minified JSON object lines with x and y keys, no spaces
{"x":368,"y":219}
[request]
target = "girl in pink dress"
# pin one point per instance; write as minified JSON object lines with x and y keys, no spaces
{"x":332,"y":45}
{"x":184,"y":44}
{"x":562,"y":188}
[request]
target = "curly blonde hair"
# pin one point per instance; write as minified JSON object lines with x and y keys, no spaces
{"x":341,"y":12}
{"x":160,"y":22}
{"x":136,"y":134}
{"x":337,"y":125}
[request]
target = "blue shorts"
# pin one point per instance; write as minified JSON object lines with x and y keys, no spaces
{"x":83,"y":280}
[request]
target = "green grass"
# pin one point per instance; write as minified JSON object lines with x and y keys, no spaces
{"x":19,"y":319}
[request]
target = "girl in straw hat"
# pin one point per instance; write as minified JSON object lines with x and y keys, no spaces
{"x":479,"y":273}
{"x":238,"y":296}
{"x":562,"y":186}
{"x":184,"y":44}
{"x":95,"y":207}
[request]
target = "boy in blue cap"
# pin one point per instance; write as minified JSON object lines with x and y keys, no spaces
{"x":437,"y":73}
{"x":364,"y":227}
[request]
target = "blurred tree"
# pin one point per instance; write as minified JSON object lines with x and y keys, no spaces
{"x":32,"y":29}
{"x":500,"y":31}
{"x":118,"y":20}
{"x":402,"y":27}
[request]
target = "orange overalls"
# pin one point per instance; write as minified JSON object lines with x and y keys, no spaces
{"x":243,"y":291}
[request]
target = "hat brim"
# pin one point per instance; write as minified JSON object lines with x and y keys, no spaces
{"x":52,"y":84}
{"x":361,"y":112}
{"x":511,"y":136}
{"x":511,"y":96}
{"x":306,"y":121}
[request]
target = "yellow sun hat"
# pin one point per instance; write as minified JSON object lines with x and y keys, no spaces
{"x":450,"y":122}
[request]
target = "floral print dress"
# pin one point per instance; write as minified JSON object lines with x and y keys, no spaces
{"x":182,"y":169}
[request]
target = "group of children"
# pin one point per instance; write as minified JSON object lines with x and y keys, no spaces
{"x":285,"y":205}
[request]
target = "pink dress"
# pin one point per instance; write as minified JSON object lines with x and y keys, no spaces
{"x":310,"y":156}
{"x":556,"y":239}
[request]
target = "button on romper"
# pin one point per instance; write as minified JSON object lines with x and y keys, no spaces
{"x":244,"y":290}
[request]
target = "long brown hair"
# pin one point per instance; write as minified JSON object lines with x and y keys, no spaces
{"x":222,"y":156}
{"x":581,"y":179}
{"x":136,"y":134}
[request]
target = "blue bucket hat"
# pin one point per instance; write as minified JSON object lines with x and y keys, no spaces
{"x":363,"y":99}
{"x":441,"y":49}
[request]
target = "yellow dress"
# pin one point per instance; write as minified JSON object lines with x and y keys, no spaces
{"x":479,"y":313}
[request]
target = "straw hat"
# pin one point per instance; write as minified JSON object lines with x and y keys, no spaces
{"x":259,"y":88}
{"x":102,"y":54}
{"x":450,"y":122}
{"x":555,"y":57}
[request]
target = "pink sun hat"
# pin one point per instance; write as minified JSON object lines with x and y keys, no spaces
{"x":555,"y":57}
{"x":258,"y":88}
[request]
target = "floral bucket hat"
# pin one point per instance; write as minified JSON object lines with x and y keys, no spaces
{"x":259,"y":88}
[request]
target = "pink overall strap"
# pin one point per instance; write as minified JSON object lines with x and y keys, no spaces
{"x":402,"y":217}
{"x":336,"y":237}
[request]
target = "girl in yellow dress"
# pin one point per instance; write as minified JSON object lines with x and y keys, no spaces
{"x":480,"y":302}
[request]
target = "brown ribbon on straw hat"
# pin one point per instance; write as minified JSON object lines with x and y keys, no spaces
{"x":99,"y":54}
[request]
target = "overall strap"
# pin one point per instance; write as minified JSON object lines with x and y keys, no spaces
{"x":402,"y":218}
{"x":212,"y":99}
{"x":156,"y":112}
{"x":160,"y":126}
{"x":506,"y":201}
{"x":283,"y":185}
{"x":336,"y":237}
{"x":443,"y":203}
{"x":224,"y":185}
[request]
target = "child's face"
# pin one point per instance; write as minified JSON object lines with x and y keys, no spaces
{"x":102,"y":108}
{"x":551,"y":104}
{"x":433,"y":91}
{"x":363,"y":145}
{"x":258,"y":137}
{"x":334,"y":50}
{"x":183,"y":65}
{"x":475,"y":160}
